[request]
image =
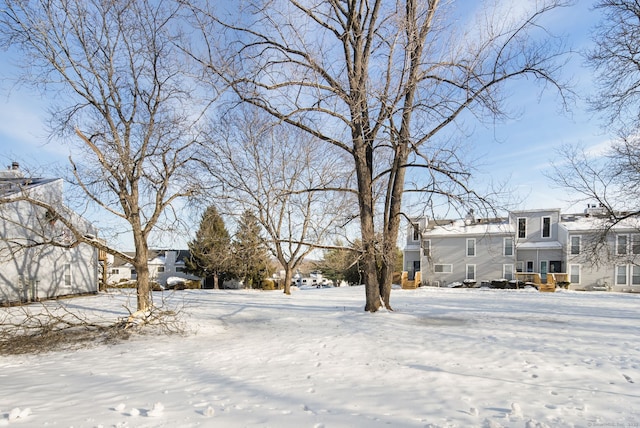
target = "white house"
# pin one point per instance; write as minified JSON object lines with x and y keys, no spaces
{"x":32,"y":271}
{"x":163,"y":264}
{"x":545,"y":242}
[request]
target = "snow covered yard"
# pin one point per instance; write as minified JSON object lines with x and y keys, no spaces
{"x":444,"y":358}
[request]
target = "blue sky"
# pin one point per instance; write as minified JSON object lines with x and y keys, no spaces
{"x":517,"y":151}
{"x":520,"y":150}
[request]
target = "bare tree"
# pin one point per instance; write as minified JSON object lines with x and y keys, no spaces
{"x":615,"y":60}
{"x":285,"y":178}
{"x":610,"y":179}
{"x":123,"y":99}
{"x":381,"y":81}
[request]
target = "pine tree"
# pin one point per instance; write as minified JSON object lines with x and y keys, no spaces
{"x":211,"y":254}
{"x":340,"y":263}
{"x":251,"y":254}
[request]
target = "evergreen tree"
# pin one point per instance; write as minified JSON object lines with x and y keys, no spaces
{"x":211,"y":254}
{"x":340,"y":263}
{"x":250,"y":251}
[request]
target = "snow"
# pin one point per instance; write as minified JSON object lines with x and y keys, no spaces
{"x":443,"y":358}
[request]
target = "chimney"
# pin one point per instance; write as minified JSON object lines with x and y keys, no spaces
{"x":15,"y":166}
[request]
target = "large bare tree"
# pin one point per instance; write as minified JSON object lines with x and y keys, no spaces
{"x":615,"y":60}
{"x":122,"y":97}
{"x":382,"y":80}
{"x":285,"y":178}
{"x":610,"y":178}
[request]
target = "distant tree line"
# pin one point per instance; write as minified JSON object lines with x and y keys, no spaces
{"x":217,"y":256}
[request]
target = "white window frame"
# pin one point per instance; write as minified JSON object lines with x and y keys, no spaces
{"x":542,"y":235}
{"x":471,"y":267}
{"x":635,"y":273}
{"x":507,"y":271}
{"x":622,"y":250}
{"x":415,"y":232}
{"x":505,"y":246}
{"x":571,"y":246}
{"x":621,"y":269}
{"x":571,"y":274}
{"x":426,"y":249}
{"x":524,"y":234}
{"x":529,"y":263}
{"x":67,"y":274}
{"x":473,"y":247}
{"x":635,"y":244}
{"x":445,"y":268}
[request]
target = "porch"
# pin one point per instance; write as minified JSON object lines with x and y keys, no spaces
{"x":552,"y":280}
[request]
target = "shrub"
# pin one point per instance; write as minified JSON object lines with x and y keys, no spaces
{"x":267,"y":284}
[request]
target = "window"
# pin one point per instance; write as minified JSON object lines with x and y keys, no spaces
{"x":575,"y":245}
{"x":416,"y":231}
{"x":471,"y":272}
{"x":426,"y":248}
{"x":471,"y":247}
{"x":635,"y":244}
{"x":574,"y":274}
{"x":115,"y":271}
{"x":160,"y":269}
{"x":529,"y":265}
{"x":519,"y":266}
{"x":623,"y":271}
{"x":546,"y":227}
{"x":67,"y":275}
{"x":443,"y":268}
{"x":522,"y":227}
{"x":635,"y":275}
{"x":621,"y":275}
{"x":621,"y":248}
{"x":508,"y":246}
{"x":507,"y":272}
{"x":179,"y":269}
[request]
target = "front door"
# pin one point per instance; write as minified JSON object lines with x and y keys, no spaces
{"x":544,"y":265}
{"x":416,"y":268}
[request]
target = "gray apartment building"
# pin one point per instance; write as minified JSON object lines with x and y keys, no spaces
{"x":478,"y":250}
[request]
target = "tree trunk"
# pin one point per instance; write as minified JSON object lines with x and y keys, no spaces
{"x":144,"y":286}
{"x":141,"y":265}
{"x":392,"y":215}
{"x":364,"y":171}
{"x":215,"y":281}
{"x":288,"y":275}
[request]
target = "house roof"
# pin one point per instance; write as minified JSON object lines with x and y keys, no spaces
{"x":540,"y":245}
{"x":585,"y":223}
{"x":13,"y":185}
{"x":495,"y":226}
{"x":158,"y":255}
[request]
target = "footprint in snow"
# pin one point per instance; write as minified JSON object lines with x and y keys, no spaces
{"x":628,"y":378}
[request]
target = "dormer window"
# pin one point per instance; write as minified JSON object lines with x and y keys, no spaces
{"x":546,"y":227}
{"x":416,"y":231}
{"x":522,"y":227}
